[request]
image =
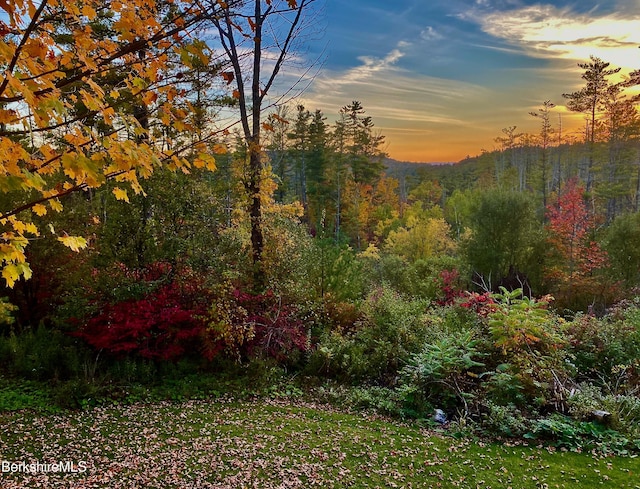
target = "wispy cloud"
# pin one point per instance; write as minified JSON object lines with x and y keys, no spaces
{"x":548,"y":31}
{"x":380,"y":83}
{"x":430,"y":34}
{"x":409,"y":108}
{"x":441,"y":78}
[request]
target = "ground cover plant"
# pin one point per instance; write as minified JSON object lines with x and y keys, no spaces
{"x":268,"y":443}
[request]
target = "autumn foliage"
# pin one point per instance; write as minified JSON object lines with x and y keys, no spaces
{"x":258,"y":325}
{"x":175,"y":315}
{"x":80,"y":83}
{"x":578,"y":255}
{"x":160,"y":326}
{"x":165,"y":320}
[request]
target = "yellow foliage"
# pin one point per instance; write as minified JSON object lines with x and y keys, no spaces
{"x":121,"y":194}
{"x":12,"y":272}
{"x":372,"y":252}
{"x":205,"y":160}
{"x":75,"y":243}
{"x":35,"y":98}
{"x":421,"y":239}
{"x":39,"y":210}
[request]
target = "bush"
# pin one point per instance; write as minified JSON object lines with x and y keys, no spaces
{"x":422,"y":278}
{"x":379,"y":399}
{"x":42,"y":354}
{"x":607,"y":349}
{"x":250,"y":326}
{"x":443,"y":374}
{"x":531,"y":345}
{"x":564,"y":432}
{"x":277,"y":331}
{"x":505,"y":387}
{"x":131,"y":369}
{"x":624,"y":410}
{"x":505,"y":420}
{"x":164,"y":325}
{"x":78,"y":393}
{"x":391,"y":330}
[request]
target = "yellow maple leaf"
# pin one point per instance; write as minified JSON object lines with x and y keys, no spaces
{"x":55,"y":205}
{"x":205,"y":160}
{"x":12,"y":272}
{"x":31,"y":228}
{"x":39,"y":209}
{"x":76,"y":243}
{"x":121,"y":194}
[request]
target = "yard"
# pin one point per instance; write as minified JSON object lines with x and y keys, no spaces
{"x":268,"y":443}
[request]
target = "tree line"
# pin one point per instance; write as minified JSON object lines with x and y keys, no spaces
{"x":97,"y":108}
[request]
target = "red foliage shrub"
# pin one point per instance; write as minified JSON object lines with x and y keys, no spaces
{"x":482,"y":304}
{"x":165,"y":324}
{"x":450,"y":290}
{"x":452,"y":294}
{"x":278,"y":331}
{"x":165,"y":313}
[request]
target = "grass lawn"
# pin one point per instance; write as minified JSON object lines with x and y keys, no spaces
{"x":263,"y":444}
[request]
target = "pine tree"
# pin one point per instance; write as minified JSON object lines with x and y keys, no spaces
{"x":590,"y":100}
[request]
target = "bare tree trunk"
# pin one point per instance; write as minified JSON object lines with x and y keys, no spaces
{"x":227,"y":21}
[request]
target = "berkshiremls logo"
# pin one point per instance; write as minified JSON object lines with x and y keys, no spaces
{"x":66,"y":466}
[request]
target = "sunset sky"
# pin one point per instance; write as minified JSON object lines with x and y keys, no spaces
{"x":441,"y":78}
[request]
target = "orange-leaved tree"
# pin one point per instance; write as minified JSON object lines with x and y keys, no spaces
{"x":570,"y":235}
{"x":88,"y":94}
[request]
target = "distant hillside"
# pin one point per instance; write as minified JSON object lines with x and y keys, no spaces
{"x":409,"y":168}
{"x":451,"y":176}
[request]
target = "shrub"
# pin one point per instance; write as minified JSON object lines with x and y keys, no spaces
{"x":379,"y":399}
{"x":505,"y":420}
{"x":277,"y":330}
{"x":624,"y":410}
{"x":505,"y":387}
{"x":444,"y":373}
{"x":567,"y":433}
{"x":42,"y":354}
{"x":431,"y":278}
{"x":529,"y":341}
{"x":607,"y":349}
{"x":258,"y":325}
{"x":391,"y":329}
{"x":164,"y":325}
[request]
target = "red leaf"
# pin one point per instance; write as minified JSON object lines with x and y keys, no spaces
{"x":227,"y":76}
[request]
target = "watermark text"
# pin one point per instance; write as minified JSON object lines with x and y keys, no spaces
{"x":65,"y":467}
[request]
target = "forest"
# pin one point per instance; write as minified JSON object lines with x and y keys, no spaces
{"x":153,"y":249}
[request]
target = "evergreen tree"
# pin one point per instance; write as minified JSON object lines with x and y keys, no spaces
{"x":590,"y":100}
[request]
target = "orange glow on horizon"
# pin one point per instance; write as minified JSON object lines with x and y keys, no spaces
{"x":452,"y":146}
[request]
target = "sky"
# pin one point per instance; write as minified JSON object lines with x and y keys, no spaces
{"x":442,"y":78}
